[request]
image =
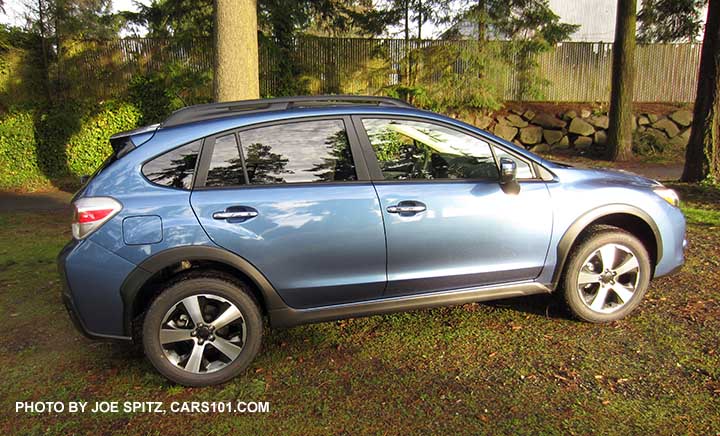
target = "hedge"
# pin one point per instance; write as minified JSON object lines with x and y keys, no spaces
{"x":89,"y":146}
{"x":19,"y":168}
{"x":63,"y":141}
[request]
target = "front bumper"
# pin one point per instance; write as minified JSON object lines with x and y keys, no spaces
{"x":680,"y":265}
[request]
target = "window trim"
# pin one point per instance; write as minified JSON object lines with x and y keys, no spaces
{"x":195,"y":170}
{"x":361,"y":167}
{"x":206,"y":159}
{"x":530,"y":164}
{"x":378,"y":176}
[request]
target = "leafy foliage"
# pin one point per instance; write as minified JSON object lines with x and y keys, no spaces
{"x":84,"y":19}
{"x":646,"y":144}
{"x":158,"y":94}
{"x":22,"y":83}
{"x":185,"y":20}
{"x":19,"y":166}
{"x":87,"y":148}
{"x":68,"y":140}
{"x":62,"y":20}
{"x":455,"y":76}
{"x":670,"y":20}
{"x":530,"y":26}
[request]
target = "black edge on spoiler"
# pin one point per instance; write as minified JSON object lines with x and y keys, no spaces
{"x":122,"y":142}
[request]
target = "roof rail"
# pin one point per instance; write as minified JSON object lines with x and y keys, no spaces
{"x":220,"y":110}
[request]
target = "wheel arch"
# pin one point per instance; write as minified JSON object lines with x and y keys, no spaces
{"x":624,"y":216}
{"x":142,"y":285}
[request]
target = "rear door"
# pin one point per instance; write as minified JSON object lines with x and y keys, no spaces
{"x":449,"y":224}
{"x":294,"y":199}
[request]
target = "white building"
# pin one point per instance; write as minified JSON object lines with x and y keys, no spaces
{"x":595,"y":17}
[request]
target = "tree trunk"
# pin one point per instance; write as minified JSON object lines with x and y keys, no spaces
{"x":43,"y":48}
{"x":418,"y":61}
{"x":619,"y":141}
{"x":59,"y":11}
{"x":420,"y":20}
{"x":236,"y":50}
{"x":702,"y":157}
{"x":481,"y":21}
{"x":408,"y":65}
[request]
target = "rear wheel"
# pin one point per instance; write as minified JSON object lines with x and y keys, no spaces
{"x":606,"y":276}
{"x":202,"y":331}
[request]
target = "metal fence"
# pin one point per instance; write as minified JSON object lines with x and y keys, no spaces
{"x":574,"y":71}
{"x":580,"y":71}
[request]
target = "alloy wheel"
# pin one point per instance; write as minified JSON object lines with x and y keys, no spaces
{"x":608,"y":278}
{"x":203,"y":333}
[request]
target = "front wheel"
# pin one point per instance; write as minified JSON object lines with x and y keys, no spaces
{"x":606,"y":276}
{"x":202,"y":330}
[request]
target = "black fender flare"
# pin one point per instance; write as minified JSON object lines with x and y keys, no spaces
{"x":157,"y":262}
{"x":581,"y":223}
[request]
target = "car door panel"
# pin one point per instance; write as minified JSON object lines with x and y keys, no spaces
{"x":317,"y":245}
{"x":449,"y":223}
{"x":471,"y":234}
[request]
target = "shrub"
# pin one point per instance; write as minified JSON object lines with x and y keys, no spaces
{"x":87,"y":148}
{"x":148,"y":93}
{"x":647,"y":144}
{"x":60,"y":142}
{"x":19,"y":166}
{"x":158,"y":94}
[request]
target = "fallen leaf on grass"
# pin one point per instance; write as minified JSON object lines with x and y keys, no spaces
{"x":559,"y":377}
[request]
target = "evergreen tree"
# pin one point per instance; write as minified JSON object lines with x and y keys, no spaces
{"x":670,"y":20}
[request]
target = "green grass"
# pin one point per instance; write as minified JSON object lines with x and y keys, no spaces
{"x":510,"y":367}
{"x":702,"y":216}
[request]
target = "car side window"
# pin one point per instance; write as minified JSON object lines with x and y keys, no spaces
{"x":298,"y":152}
{"x":410,"y":150}
{"x":523,"y":168}
{"x":174,"y":169}
{"x":225,"y":165}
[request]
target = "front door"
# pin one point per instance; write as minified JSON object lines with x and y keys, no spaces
{"x":448,"y":222}
{"x":290,"y":199}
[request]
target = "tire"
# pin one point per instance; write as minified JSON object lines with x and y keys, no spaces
{"x":187,"y":314}
{"x":606,"y":276}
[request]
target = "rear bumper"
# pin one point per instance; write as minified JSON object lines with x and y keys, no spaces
{"x":91,"y":277}
{"x":72,"y":313}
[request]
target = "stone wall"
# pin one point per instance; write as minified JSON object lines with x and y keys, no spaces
{"x":582,"y":130}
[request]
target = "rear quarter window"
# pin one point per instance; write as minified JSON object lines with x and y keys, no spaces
{"x":174,"y":169}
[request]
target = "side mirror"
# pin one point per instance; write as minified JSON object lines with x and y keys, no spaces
{"x":508,"y":170}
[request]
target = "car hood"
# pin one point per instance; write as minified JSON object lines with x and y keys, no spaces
{"x":611,"y":175}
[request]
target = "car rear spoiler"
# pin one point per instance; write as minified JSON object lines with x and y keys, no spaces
{"x":122,"y":143}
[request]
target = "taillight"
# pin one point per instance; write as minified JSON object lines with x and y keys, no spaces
{"x":89,"y":213}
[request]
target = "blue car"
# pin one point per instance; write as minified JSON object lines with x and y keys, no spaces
{"x":310,"y":209}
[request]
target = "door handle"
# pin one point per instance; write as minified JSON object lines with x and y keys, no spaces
{"x":407,"y":207}
{"x":235,"y":212}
